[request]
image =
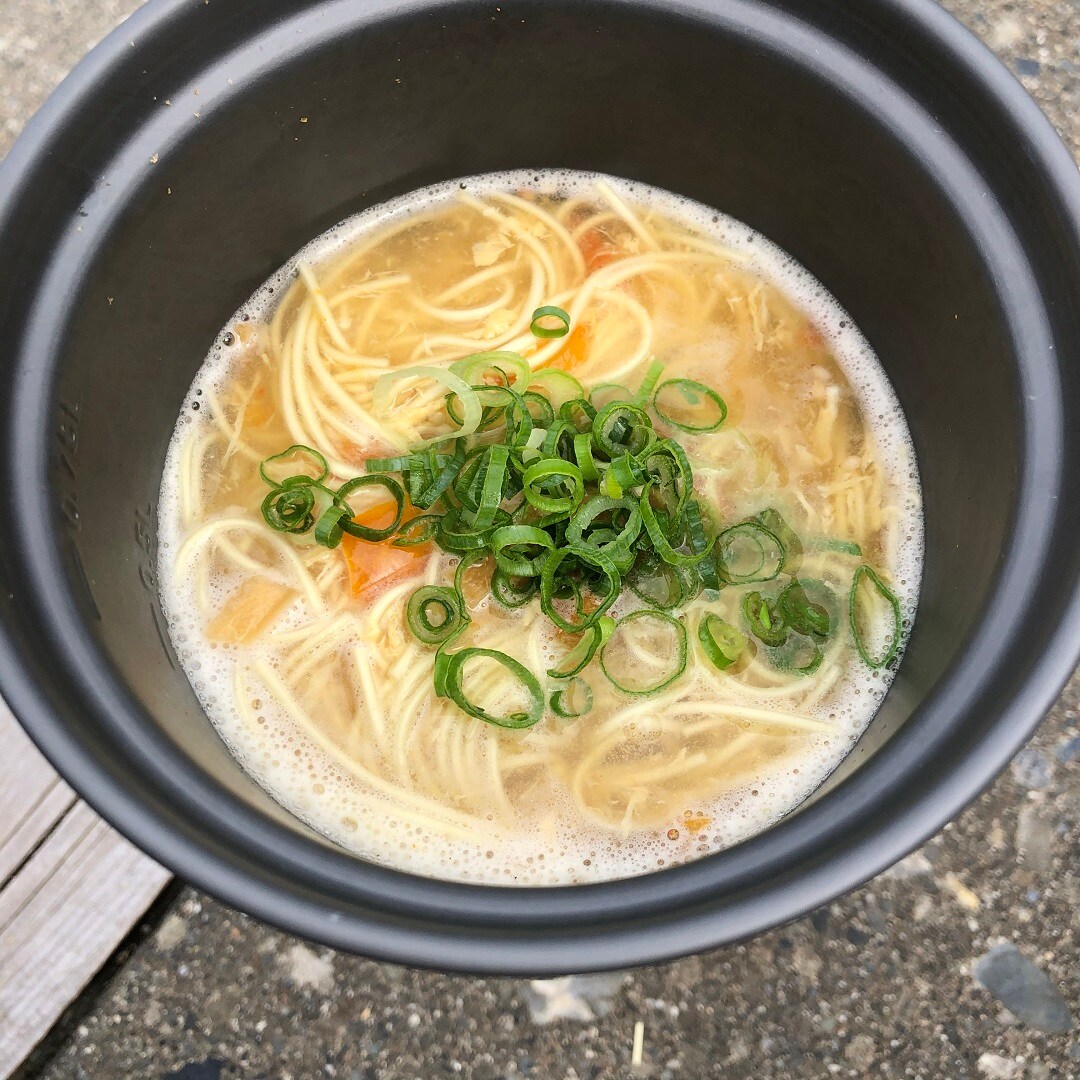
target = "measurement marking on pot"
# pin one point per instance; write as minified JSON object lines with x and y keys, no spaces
{"x":67,"y":434}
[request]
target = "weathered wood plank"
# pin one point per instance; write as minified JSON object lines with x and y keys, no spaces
{"x":70,"y":890}
{"x":38,"y":821}
{"x":27,"y":802}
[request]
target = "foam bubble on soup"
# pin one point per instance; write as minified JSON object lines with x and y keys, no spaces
{"x":618,"y":593}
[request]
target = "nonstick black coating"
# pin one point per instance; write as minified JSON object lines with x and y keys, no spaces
{"x":875,"y":140}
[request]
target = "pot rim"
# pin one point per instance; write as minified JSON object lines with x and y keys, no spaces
{"x":200,"y":827}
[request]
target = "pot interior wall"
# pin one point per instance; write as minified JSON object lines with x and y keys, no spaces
{"x":404,"y":105}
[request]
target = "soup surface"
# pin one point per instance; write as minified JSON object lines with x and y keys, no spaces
{"x":449,"y":694}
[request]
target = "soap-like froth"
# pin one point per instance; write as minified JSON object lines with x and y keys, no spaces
{"x":548,"y":851}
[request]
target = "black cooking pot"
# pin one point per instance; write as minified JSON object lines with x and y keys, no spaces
{"x":201,"y":145}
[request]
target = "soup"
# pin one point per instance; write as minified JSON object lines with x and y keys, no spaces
{"x":540,"y":529}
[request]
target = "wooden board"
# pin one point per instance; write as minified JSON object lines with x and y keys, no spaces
{"x":70,"y":890}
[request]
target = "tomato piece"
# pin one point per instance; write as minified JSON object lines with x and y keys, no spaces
{"x":576,"y":350}
{"x":378,"y":563}
{"x":596,"y":249}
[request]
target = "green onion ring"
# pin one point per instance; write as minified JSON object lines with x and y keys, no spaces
{"x":764,"y":619}
{"x":656,"y":533}
{"x":396,"y":491}
{"x":560,"y":699}
{"x":720,"y":641}
{"x":584,"y":516}
{"x":605,"y":393}
{"x":506,"y":541}
{"x":898,"y":620}
{"x":773,"y":520}
{"x":666,"y":679}
{"x":297,"y":448}
{"x":801,"y":613}
{"x":383,"y":397}
{"x":771,"y":553}
{"x":442,"y":600}
{"x":558,"y":385}
{"x":549,"y":311}
{"x":579,"y":657}
{"x":472,"y":369}
{"x":591,"y":557}
{"x":454,"y":678}
{"x":583,"y":455}
{"x":693,"y":392}
{"x":329,"y":527}
{"x":289,"y":509}
{"x":491,"y":494}
{"x":419,"y":530}
{"x":648,"y":384}
{"x":622,"y":428}
{"x":649,"y":571}
{"x":553,"y":469}
{"x":512,"y":591}
{"x":545,"y":412}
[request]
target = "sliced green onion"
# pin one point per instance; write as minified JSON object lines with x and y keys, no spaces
{"x":393,"y":488}
{"x":454,"y":678}
{"x":659,"y":583}
{"x":419,"y":530}
{"x":468,"y":560}
{"x":559,"y":386}
{"x":328,"y":528}
{"x":605,"y":393}
{"x":640,"y":677}
{"x":693,"y":523}
{"x":844,"y":547}
{"x":290,"y":461}
{"x":892,"y":600}
{"x":622,"y":428}
{"x":659,"y":536}
{"x":764,"y":619}
{"x":773,"y":521}
{"x":454,"y":534}
{"x":579,"y":657}
{"x":572,"y":700}
{"x":648,"y":384}
{"x":624,"y":535}
{"x":433,"y":613}
{"x":609,"y":486}
{"x":578,"y":413}
{"x":667,"y":464}
{"x":540,"y":409}
{"x":545,"y":478}
{"x":384,"y":395}
{"x":440,"y":483}
{"x":626,"y":472}
{"x":401,"y":464}
{"x":703,"y":409}
{"x":549,"y":585}
{"x":491,"y":494}
{"x":289,"y":509}
{"x":512,"y":591}
{"x":583,"y":455}
{"x":507,"y":544}
{"x":541,"y":322}
{"x":748,"y":553}
{"x":476,"y":368}
{"x":802,"y":613}
{"x":720,"y":641}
